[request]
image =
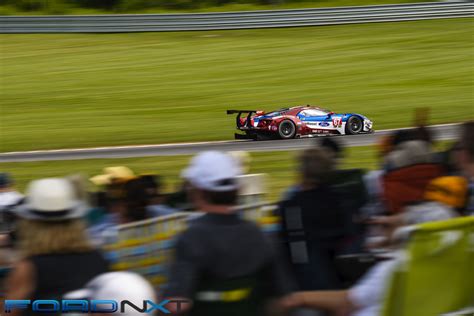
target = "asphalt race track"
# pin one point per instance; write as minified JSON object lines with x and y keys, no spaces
{"x":440,"y":132}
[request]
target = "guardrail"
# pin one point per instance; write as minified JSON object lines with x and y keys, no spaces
{"x":233,"y":20}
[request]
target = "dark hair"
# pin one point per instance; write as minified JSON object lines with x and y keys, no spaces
{"x":423,"y":133}
{"x":221,"y":198}
{"x":417,"y":133}
{"x":467,"y":139}
{"x":330,"y":143}
{"x":5,"y":180}
{"x":151,"y":181}
{"x":403,"y":135}
{"x":136,"y":199}
{"x":315,"y":166}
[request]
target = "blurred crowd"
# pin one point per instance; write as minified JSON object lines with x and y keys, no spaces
{"x":51,"y":236}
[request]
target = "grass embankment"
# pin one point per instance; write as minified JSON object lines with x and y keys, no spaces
{"x":85,"y":90}
{"x":280,"y":166}
{"x":127,"y":7}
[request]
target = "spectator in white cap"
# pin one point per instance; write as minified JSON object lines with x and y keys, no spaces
{"x":56,"y":256}
{"x":222,"y":263}
{"x":118,"y":286}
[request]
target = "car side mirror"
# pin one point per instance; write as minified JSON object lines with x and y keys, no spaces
{"x":330,"y":114}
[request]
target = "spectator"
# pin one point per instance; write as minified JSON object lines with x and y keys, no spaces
{"x":129,"y":204}
{"x":330,"y":144}
{"x":331,"y":149}
{"x":367,"y":295}
{"x":408,"y":153}
{"x":314,"y":223}
{"x":444,"y":198}
{"x":56,"y":254}
{"x":223,"y":263}
{"x":9,"y":198}
{"x":465,"y":159}
{"x":156,"y":205}
{"x":409,"y":167}
{"x":103,"y":214}
{"x":117,"y":286}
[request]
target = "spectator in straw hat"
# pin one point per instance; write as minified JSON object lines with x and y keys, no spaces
{"x":223,"y":263}
{"x":56,"y":254}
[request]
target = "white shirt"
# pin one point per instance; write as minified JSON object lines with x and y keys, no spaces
{"x":369,"y":293}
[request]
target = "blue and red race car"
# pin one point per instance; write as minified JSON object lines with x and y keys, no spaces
{"x":299,"y":121}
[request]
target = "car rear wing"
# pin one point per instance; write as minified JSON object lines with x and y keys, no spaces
{"x":239,"y":114}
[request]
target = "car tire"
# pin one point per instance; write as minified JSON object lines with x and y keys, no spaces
{"x":354,"y":125}
{"x":287,"y":129}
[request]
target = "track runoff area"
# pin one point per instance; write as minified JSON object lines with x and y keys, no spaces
{"x":440,"y":132}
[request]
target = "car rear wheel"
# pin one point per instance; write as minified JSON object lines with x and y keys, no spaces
{"x":354,"y":125}
{"x":287,"y":129}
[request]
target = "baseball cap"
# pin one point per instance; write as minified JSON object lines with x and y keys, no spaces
{"x":450,"y":190}
{"x":213,"y":171}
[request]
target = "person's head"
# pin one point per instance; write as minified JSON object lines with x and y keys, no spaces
{"x":403,"y":135}
{"x":466,"y":148}
{"x":135,"y":200}
{"x":315,"y":166}
{"x":212,"y":177}
{"x":52,"y":219}
{"x":117,"y":286}
{"x":6,"y":181}
{"x":330,"y":144}
{"x":409,"y":153}
{"x":424,"y":134}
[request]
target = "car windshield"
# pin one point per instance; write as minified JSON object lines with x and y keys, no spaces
{"x":314,"y":112}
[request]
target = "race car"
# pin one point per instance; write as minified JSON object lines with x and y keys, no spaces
{"x":298,"y":121}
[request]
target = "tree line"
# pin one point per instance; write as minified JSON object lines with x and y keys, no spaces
{"x":125,"y":5}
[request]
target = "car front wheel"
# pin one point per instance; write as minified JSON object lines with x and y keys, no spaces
{"x":354,"y":125}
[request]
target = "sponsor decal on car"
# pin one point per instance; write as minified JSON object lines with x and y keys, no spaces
{"x":321,"y":131}
{"x":337,"y":122}
{"x":324,"y":124}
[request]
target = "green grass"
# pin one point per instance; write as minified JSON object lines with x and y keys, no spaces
{"x":83,"y":90}
{"x":70,"y":9}
{"x":281,"y":167}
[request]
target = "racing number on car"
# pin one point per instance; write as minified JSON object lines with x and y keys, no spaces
{"x":337,"y":122}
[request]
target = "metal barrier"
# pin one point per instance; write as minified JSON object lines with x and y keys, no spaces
{"x":233,"y":20}
{"x":146,"y":247}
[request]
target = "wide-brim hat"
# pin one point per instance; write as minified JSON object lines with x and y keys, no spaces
{"x":51,"y":199}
